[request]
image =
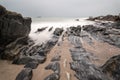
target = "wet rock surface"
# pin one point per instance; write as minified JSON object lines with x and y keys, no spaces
{"x":12,"y":26}
{"x":106,"y":18}
{"x":50,"y":29}
{"x":40,"y":29}
{"x":58,"y":31}
{"x":111,"y":67}
{"x":53,"y":76}
{"x":55,"y":66}
{"x":32,"y":65}
{"x":25,"y":74}
{"x":82,"y":65}
{"x":74,"y":30}
{"x":107,"y":34}
{"x":35,"y":53}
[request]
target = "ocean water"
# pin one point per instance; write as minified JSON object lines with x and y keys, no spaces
{"x":55,"y":23}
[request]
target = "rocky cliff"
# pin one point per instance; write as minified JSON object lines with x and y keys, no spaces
{"x":12,"y":26}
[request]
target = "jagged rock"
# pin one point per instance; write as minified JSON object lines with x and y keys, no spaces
{"x":27,"y":59}
{"x":75,"y":30}
{"x":50,"y":29}
{"x":35,"y":53}
{"x":109,"y":35}
{"x":25,"y":74}
{"x":53,"y":76}
{"x":86,"y":71}
{"x":58,"y":31}
{"x":112,"y":67}
{"x":32,"y":65}
{"x":40,"y":29}
{"x":106,"y":18}
{"x":55,"y":66}
{"x":12,"y":27}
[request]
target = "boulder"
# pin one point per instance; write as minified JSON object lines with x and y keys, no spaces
{"x":75,"y":30}
{"x":86,"y":71}
{"x":55,"y":66}
{"x":112,"y":67}
{"x":40,"y":29}
{"x":25,"y":74}
{"x":12,"y":26}
{"x":58,"y":31}
{"x":32,"y":65}
{"x":50,"y":29}
{"x":53,"y":76}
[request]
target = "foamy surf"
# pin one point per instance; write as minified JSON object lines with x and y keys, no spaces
{"x":55,"y":23}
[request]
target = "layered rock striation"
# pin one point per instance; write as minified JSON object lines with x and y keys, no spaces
{"x":12,"y":26}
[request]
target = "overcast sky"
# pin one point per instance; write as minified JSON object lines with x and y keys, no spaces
{"x":63,"y":8}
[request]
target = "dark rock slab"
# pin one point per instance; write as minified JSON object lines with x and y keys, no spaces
{"x":55,"y":66}
{"x":75,"y":40}
{"x":106,"y":18}
{"x":58,"y":31}
{"x":12,"y":27}
{"x":40,"y":29}
{"x":27,"y":59}
{"x":32,"y":65}
{"x":50,"y":29}
{"x":74,"y":30}
{"x":109,"y":35}
{"x":25,"y":74}
{"x":53,"y":76}
{"x":112,"y":67}
{"x":87,"y":71}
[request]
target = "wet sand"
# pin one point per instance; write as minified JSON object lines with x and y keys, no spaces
{"x":63,"y":50}
{"x":9,"y":71}
{"x":101,"y":50}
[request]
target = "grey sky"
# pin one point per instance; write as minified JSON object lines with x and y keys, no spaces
{"x":63,"y":8}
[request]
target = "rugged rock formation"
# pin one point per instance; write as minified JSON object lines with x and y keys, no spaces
{"x":25,"y":74}
{"x":74,"y":30}
{"x":112,"y":67}
{"x":40,"y":29}
{"x":12,"y":27}
{"x":106,"y":33}
{"x":58,"y":31}
{"x":53,"y":76}
{"x":106,"y":18}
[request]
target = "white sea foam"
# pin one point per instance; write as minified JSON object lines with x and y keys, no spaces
{"x":52,"y":22}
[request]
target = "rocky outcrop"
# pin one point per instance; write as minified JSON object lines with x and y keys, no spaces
{"x":25,"y":74}
{"x":58,"y":31}
{"x":40,"y":29}
{"x":12,"y":27}
{"x":74,"y":30}
{"x":106,"y":18}
{"x":106,"y":33}
{"x":53,"y":76}
{"x":112,"y":67}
